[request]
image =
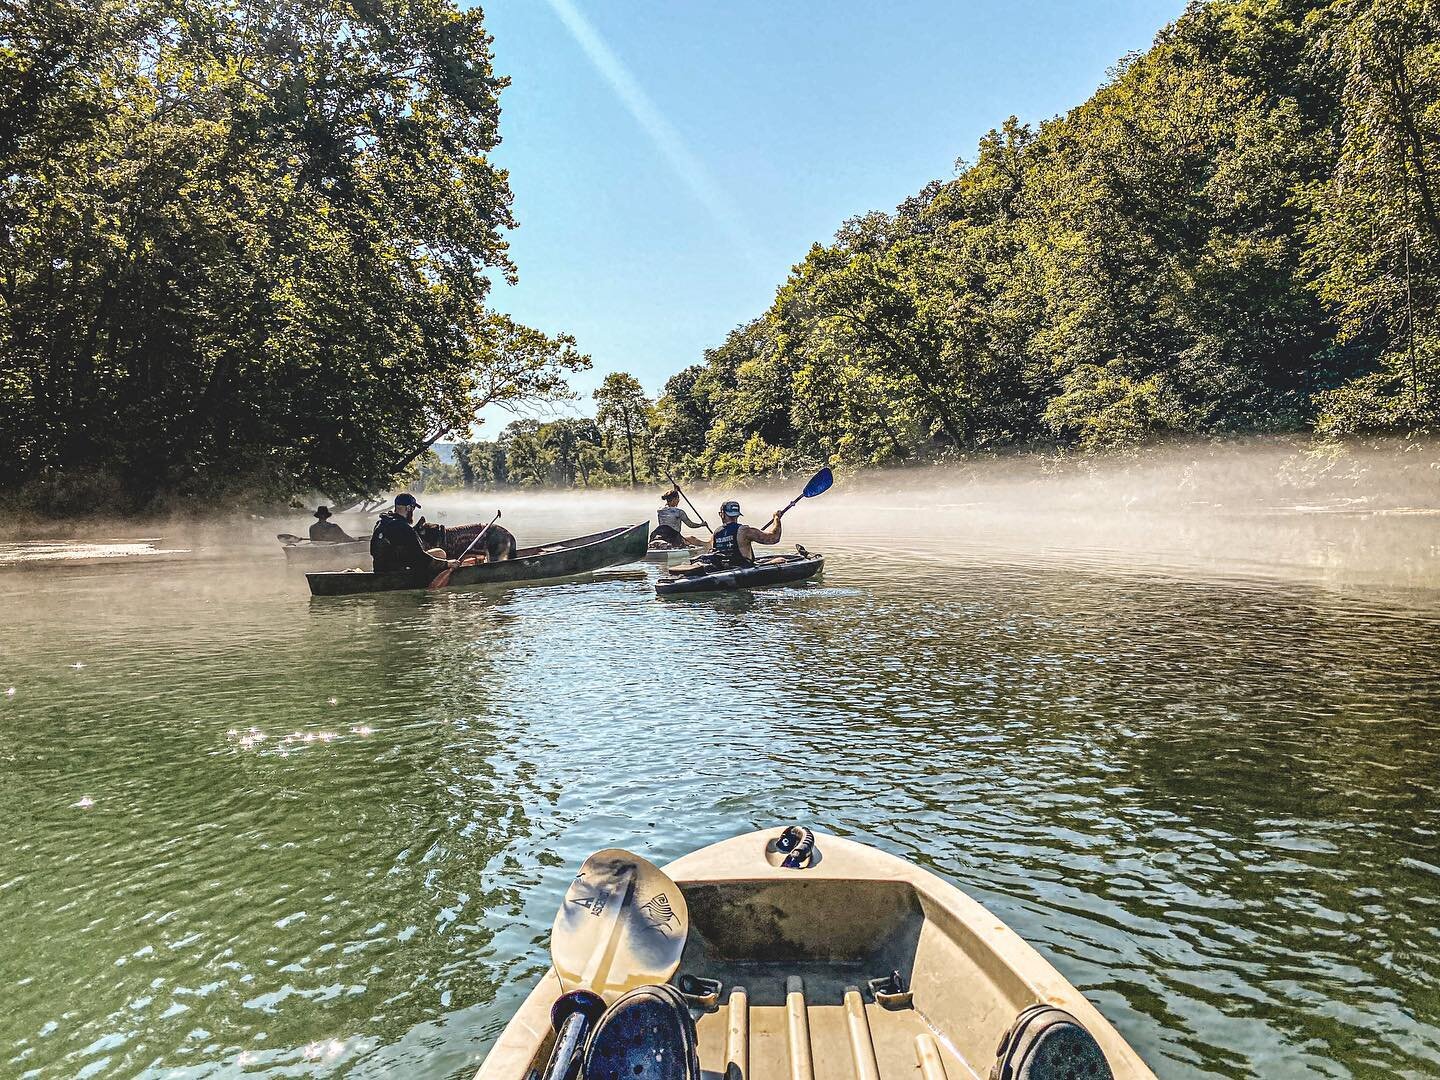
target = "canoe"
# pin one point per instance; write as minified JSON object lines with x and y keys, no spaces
{"x":803,"y":957}
{"x":774,"y":570}
{"x":324,"y":555}
{"x":564,"y":558}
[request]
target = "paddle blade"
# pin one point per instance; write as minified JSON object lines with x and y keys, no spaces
{"x":623,"y":924}
{"x":819,"y":483}
{"x":441,"y":579}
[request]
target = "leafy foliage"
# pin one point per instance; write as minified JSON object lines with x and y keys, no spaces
{"x":245,"y":246}
{"x":1237,"y":233}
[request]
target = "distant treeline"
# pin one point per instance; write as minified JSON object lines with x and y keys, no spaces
{"x":615,"y":448}
{"x":245,"y":248}
{"x":1240,"y":232}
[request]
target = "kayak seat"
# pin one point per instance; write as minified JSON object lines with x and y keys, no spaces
{"x":1046,"y":1043}
{"x":646,"y":1035}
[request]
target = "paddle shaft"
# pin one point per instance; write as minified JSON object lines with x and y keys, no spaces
{"x":478,"y":535}
{"x":567,"y":1046}
{"x":686,"y":498}
{"x":443,"y":578}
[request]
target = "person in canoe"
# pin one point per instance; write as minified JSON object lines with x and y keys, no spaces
{"x":395,"y":545}
{"x":325,"y":531}
{"x":732,"y":545}
{"x":671,"y":517}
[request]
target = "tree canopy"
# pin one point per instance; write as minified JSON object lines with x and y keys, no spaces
{"x":246,"y":247}
{"x":1236,"y":233}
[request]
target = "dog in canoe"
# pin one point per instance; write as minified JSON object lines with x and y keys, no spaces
{"x":497,"y":545}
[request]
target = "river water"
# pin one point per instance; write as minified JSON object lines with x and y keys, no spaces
{"x":1192,"y":757}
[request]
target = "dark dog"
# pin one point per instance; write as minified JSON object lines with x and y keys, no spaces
{"x":497,"y":545}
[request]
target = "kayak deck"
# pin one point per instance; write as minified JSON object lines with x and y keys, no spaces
{"x":768,"y":570}
{"x":795,"y":951}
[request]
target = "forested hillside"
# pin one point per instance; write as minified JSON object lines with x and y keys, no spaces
{"x":245,"y":253}
{"x":1238,"y":233}
{"x":244,"y":248}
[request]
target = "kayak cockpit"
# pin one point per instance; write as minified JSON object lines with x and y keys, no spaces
{"x":789,"y":973}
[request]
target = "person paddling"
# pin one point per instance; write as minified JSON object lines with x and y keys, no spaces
{"x":325,"y":531}
{"x":395,"y":545}
{"x":671,"y":517}
{"x":731,"y":545}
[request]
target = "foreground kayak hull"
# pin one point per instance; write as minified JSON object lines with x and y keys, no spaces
{"x":794,"y":949}
{"x":778,"y":571}
{"x":565,"y":558}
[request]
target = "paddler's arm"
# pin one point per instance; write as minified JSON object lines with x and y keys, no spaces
{"x":767,"y":536}
{"x":684,"y":517}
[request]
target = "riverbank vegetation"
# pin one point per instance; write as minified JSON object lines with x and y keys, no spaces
{"x":1239,"y":233}
{"x":251,"y":252}
{"x":246,"y":248}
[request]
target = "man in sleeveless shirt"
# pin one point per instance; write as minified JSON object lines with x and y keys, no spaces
{"x":732,"y":542}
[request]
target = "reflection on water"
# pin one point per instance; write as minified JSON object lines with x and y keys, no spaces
{"x":241,"y":830}
{"x":20,"y":552}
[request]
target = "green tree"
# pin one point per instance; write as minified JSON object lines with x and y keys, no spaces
{"x":622,"y":411}
{"x":245,"y":249}
{"x":1375,"y":233}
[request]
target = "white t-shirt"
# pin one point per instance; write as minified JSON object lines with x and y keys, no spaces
{"x":674,"y":517}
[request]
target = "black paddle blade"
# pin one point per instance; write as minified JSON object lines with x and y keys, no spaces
{"x":819,"y":483}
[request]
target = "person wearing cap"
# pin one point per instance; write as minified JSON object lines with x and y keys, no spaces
{"x":325,"y":531}
{"x":671,"y":517}
{"x":731,"y":544}
{"x":395,"y":545}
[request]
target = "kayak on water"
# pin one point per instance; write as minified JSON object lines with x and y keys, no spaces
{"x":658,"y":553}
{"x":790,"y":955}
{"x":771,"y":570}
{"x":324,"y":554}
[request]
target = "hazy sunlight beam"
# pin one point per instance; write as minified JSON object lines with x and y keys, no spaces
{"x":666,"y":138}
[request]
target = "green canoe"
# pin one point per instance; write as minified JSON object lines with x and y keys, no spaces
{"x":564,"y":558}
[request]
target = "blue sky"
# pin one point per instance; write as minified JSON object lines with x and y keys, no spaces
{"x":663,"y":205}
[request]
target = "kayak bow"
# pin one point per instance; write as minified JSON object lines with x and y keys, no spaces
{"x":849,"y":964}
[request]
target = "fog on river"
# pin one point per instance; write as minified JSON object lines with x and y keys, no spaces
{"x":1173,"y":718}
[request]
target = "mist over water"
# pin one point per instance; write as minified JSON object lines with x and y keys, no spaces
{"x":1175,"y":721}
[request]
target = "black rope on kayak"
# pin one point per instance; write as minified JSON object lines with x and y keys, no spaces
{"x":797,"y":844}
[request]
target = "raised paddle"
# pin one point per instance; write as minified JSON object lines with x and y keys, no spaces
{"x":686,"y":498}
{"x":818,"y":485}
{"x":622,"y":924}
{"x":443,"y":578}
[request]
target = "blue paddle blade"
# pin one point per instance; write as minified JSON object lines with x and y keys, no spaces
{"x":819,"y":483}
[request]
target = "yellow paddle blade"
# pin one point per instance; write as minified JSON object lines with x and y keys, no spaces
{"x":623,"y":924}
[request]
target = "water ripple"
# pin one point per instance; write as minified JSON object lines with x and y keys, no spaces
{"x":249,"y":832}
